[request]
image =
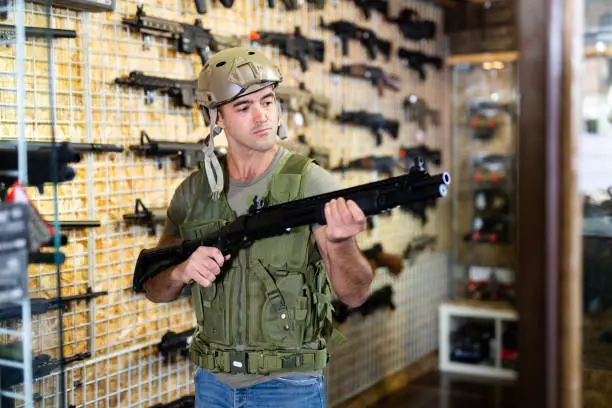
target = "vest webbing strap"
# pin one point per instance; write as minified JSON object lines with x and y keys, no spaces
{"x":259,"y":362}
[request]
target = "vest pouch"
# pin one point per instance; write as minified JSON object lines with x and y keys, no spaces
{"x":213,"y":319}
{"x":209,"y":303}
{"x":282,"y":302}
{"x":200,"y":229}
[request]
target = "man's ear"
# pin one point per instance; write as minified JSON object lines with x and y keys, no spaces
{"x":220,"y":122}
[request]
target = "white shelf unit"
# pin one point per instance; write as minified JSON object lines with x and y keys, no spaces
{"x":450,"y":311}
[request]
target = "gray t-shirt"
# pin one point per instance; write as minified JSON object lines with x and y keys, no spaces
{"x":240,"y":196}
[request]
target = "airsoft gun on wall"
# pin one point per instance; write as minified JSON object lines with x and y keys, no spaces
{"x":418,"y":245}
{"x":431,"y":155}
{"x":187,"y":154}
{"x":41,"y":162}
{"x":40,"y":306}
{"x":345,"y":30}
{"x":182,"y":91}
{"x":146,"y":216}
{"x":172,"y":342}
{"x":301,"y":100}
{"x":377,"y":77}
{"x":417,"y":110}
{"x":373,"y":198}
{"x":379,"y":299}
{"x":292,"y":45}
{"x":416,"y":60}
{"x":376,"y":122}
{"x":320,"y":153}
{"x":381,"y":164}
{"x":366,"y":6}
{"x":412,"y":27}
{"x":8,"y":33}
{"x":379,"y":258}
{"x":42,"y":365}
{"x":189,"y":38}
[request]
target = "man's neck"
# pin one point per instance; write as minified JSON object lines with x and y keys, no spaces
{"x":245,"y":164}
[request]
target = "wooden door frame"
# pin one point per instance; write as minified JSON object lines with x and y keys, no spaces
{"x":548,"y":229}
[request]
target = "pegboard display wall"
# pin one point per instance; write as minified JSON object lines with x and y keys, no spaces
{"x":121,"y":329}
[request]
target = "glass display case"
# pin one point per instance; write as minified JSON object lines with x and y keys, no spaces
{"x":595,"y":187}
{"x":484,"y":144}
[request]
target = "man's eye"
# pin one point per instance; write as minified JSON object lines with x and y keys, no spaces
{"x":243,"y":109}
{"x":267,"y":103}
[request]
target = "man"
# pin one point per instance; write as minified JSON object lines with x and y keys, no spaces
{"x":263,"y":317}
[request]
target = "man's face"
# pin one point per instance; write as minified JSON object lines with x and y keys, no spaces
{"x":251,"y":120}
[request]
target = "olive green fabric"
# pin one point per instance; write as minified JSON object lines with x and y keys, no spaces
{"x":269,"y":312}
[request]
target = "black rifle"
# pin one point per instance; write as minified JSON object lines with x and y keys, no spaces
{"x":376,"y":122}
{"x":418,"y":244}
{"x":417,"y":110}
{"x":189,"y":38}
{"x":416,"y":60}
{"x":42,"y":366}
{"x":78,"y":224}
{"x":381,"y":164}
{"x":379,"y":299}
{"x":366,"y":6}
{"x":144,"y":215}
{"x":419,"y":209}
{"x":412,"y":27}
{"x":182,"y":91}
{"x":431,"y":155}
{"x":493,"y":230}
{"x":45,"y":258}
{"x":8,"y":33}
{"x":172,"y":342}
{"x":371,"y":73}
{"x":277,"y":220}
{"x":187,"y":154}
{"x":77,"y":147}
{"x":40,"y":163}
{"x":346,"y":30}
{"x":379,"y":258}
{"x":40,"y":306}
{"x":188,"y":401}
{"x":293,"y":45}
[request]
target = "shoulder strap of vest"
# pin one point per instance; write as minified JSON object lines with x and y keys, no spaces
{"x":296,"y":164}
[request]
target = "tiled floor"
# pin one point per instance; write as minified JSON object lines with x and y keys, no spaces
{"x":436,"y":390}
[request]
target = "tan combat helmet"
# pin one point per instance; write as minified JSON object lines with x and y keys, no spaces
{"x":230,"y":74}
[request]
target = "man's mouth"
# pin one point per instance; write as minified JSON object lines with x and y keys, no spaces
{"x":261,"y":131}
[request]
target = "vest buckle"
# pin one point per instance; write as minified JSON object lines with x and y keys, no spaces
{"x":238,"y":362}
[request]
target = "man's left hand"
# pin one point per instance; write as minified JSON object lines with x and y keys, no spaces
{"x":344,"y":220}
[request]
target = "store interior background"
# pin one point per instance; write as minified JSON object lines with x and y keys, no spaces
{"x":452,"y":310}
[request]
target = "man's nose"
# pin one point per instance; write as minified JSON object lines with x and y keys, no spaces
{"x":260,"y":114}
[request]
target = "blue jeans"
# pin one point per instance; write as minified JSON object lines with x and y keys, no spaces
{"x":285,"y":392}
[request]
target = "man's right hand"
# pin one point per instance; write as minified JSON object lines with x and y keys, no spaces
{"x":203,"y":267}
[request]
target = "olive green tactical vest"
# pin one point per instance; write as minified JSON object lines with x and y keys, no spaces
{"x":268,"y":301}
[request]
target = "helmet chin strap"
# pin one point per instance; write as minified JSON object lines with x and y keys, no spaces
{"x":282,"y":130}
{"x":214,"y":172}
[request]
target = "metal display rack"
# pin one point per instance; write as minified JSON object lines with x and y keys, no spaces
{"x":25,"y":331}
{"x":18,"y":368}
